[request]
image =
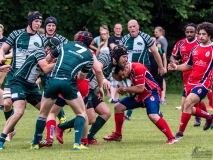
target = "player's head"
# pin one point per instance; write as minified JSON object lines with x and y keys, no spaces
{"x":34,"y":20}
{"x":159,"y":31}
{"x":190,"y":31}
{"x":50,"y":25}
{"x":121,"y":72}
{"x":205,"y":31}
{"x":51,"y":44}
{"x":84,"y":37}
{"x":119,"y":54}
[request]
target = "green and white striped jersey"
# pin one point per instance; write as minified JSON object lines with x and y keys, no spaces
{"x":105,"y":59}
{"x":73,"y":57}
{"x":30,"y":70}
{"x":23,"y":44}
{"x":60,"y":38}
{"x":138,"y":47}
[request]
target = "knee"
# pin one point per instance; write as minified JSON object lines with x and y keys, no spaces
{"x":7,"y":106}
{"x":92,"y":120}
{"x":154,"y":117}
{"x":118,"y":108}
{"x":18,"y":114}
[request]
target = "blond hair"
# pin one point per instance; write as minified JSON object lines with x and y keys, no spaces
{"x":1,"y":26}
{"x":101,"y":40}
{"x":160,"y":29}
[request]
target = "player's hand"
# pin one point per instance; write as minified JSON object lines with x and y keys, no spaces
{"x":172,"y":66}
{"x":100,"y":93}
{"x":2,"y":59}
{"x":5,"y":68}
{"x":121,"y":90}
{"x":106,"y":84}
{"x":161,"y":71}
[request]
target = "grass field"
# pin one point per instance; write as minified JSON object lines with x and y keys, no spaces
{"x":141,"y":139}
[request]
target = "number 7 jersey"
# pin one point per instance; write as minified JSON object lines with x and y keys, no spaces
{"x":73,"y":57}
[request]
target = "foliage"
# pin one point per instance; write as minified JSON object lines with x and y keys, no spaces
{"x":73,"y":16}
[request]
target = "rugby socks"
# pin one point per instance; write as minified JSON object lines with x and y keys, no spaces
{"x":201,"y":113}
{"x":8,"y":115}
{"x":210,"y":98}
{"x":79,"y":128}
{"x":129,"y":113}
{"x":163,"y":127}
{"x":119,"y":119}
{"x":40,"y":125}
{"x":3,"y":137}
{"x":202,"y":106}
{"x":67,"y":124}
{"x":50,"y":126}
{"x":61,"y":114}
{"x":96,"y":127}
{"x":185,"y":117}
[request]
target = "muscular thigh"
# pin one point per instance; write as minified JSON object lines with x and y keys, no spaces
{"x":152,"y":104}
{"x":130,"y":103}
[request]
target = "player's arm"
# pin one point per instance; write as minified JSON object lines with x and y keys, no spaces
{"x":5,"y":68}
{"x":5,"y":47}
{"x":133,"y":89}
{"x":10,"y":55}
{"x":183,"y":67}
{"x":83,"y":73}
{"x":97,"y":67}
{"x":45,"y":66}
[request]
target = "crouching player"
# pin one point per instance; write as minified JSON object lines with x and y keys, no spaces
{"x":147,"y":93}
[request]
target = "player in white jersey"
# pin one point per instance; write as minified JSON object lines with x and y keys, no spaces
{"x":23,"y":42}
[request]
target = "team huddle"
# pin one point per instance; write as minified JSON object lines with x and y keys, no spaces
{"x":72,"y":74}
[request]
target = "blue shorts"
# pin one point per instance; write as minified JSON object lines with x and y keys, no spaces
{"x":200,"y":91}
{"x":152,"y":103}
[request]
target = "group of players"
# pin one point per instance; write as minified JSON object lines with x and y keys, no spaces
{"x":71,"y":81}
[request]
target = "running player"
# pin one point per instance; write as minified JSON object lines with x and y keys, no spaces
{"x":182,"y":50}
{"x":200,"y":80}
{"x":147,"y":94}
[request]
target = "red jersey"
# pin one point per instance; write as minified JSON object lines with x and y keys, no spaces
{"x":201,"y":60}
{"x":140,"y":75}
{"x":183,"y":47}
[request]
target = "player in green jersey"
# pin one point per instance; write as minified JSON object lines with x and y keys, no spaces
{"x":22,"y":41}
{"x":74,"y":61}
{"x":23,"y":86}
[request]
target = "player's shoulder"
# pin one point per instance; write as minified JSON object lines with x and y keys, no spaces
{"x":18,"y":32}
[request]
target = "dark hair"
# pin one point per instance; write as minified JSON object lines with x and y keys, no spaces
{"x":118,"y":69}
{"x":191,"y":25}
{"x":208,"y":27}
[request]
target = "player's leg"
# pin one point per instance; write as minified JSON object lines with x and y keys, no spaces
{"x":124,"y":104}
{"x":103,"y":115}
{"x":152,"y":109}
{"x":196,"y":94}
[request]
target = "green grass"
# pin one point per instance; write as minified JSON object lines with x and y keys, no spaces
{"x":141,"y":139}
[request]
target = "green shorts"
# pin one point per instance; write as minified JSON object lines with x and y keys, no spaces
{"x":67,"y":88}
{"x":23,"y":91}
{"x":8,"y":79}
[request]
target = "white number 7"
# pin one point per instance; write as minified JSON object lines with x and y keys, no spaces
{"x":83,"y":49}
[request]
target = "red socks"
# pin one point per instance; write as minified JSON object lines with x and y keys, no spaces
{"x":163,"y":127}
{"x":119,"y":119}
{"x":210,"y":98}
{"x":201,"y":113}
{"x":50,"y":126}
{"x":185,"y":117}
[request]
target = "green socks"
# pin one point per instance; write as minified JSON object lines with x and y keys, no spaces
{"x":96,"y":127}
{"x":79,"y":128}
{"x":40,"y":125}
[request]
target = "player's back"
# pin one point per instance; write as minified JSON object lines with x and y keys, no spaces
{"x":73,"y":57}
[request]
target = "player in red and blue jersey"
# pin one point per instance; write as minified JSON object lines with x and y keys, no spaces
{"x":182,"y":49}
{"x":147,"y":94}
{"x":200,"y":80}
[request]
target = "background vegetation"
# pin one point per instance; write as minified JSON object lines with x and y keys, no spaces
{"x":73,"y":16}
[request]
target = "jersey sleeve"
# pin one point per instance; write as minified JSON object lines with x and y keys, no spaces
{"x":104,"y":59}
{"x":190,"y":60}
{"x":39,"y":55}
{"x":88,"y":66}
{"x":147,"y":38}
{"x":175,"y":50}
{"x":12,"y":37}
{"x":55,"y":53}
